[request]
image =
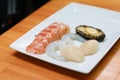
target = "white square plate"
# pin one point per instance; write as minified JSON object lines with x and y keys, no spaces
{"x":75,"y":14}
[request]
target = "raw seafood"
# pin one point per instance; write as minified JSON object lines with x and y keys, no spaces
{"x":90,"y":32}
{"x":70,"y":37}
{"x":66,"y":50}
{"x":53,"y":32}
{"x":89,"y":47}
{"x":72,"y":53}
{"x":55,"y":47}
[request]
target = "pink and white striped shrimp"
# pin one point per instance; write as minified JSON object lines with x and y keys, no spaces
{"x":51,"y":33}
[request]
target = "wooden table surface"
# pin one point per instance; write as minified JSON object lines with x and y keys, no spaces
{"x":17,"y":66}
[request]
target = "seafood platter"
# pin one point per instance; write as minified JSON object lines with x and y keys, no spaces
{"x":76,"y":37}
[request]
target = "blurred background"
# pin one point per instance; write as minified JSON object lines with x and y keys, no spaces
{"x":13,"y":11}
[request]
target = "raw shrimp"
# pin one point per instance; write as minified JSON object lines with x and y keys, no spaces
{"x":51,"y":33}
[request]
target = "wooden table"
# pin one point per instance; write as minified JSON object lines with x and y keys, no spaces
{"x":17,"y":66}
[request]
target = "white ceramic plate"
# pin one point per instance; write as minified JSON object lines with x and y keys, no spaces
{"x":75,"y":14}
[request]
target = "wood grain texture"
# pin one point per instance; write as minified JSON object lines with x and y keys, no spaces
{"x":17,"y":66}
